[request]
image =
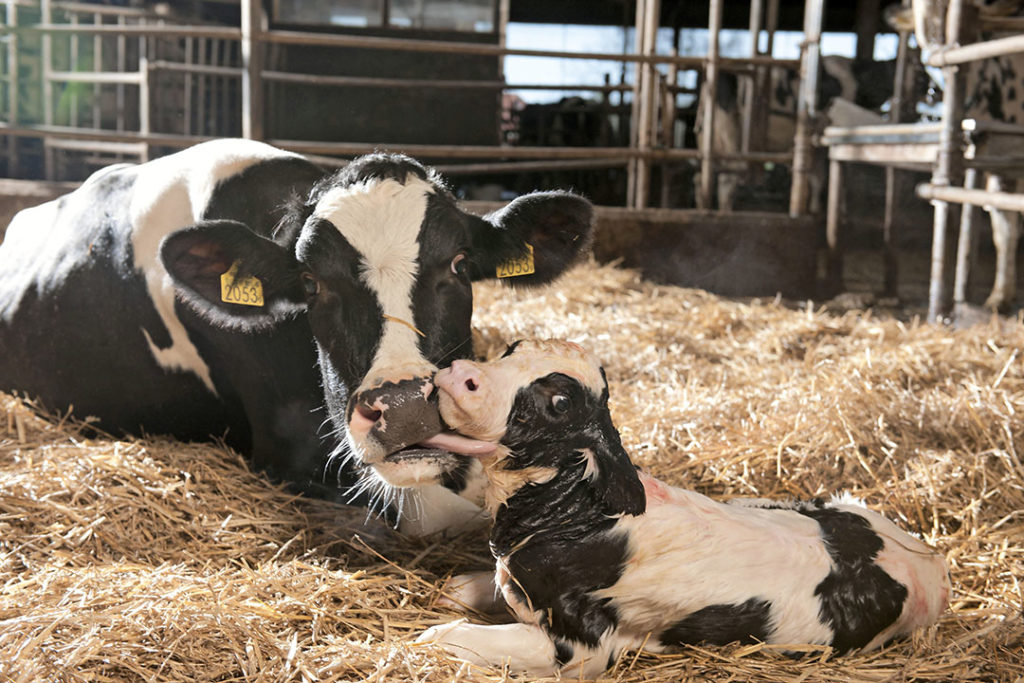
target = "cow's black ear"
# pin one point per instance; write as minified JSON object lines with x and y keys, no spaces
{"x":558,"y":226}
{"x":616,"y":480}
{"x":264,"y":285}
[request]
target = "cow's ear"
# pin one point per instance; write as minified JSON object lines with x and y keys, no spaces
{"x":557,"y":226}
{"x":263,"y":284}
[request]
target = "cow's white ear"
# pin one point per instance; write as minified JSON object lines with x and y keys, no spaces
{"x":232,"y":276}
{"x":557,"y":226}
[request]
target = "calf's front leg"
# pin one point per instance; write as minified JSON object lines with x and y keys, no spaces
{"x":524,"y":647}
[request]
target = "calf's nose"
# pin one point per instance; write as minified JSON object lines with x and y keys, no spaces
{"x":462,"y":378}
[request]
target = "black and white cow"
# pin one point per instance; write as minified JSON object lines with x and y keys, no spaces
{"x":595,"y":557}
{"x":993,"y":91}
{"x":111,"y":303}
{"x":850,"y":93}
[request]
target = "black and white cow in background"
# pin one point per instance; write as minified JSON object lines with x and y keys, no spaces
{"x":993,"y":91}
{"x":111,"y":303}
{"x":850,"y":93}
{"x":595,"y":557}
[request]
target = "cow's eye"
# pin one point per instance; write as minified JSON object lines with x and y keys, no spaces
{"x":310,"y":284}
{"x":560,"y":403}
{"x":459,"y":266}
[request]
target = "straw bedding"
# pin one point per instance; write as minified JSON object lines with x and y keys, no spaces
{"x":155,"y":560}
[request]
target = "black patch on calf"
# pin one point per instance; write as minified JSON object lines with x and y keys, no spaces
{"x":746,"y":623}
{"x":557,"y":536}
{"x":563,"y":652}
{"x":858,"y":599}
{"x":455,"y":478}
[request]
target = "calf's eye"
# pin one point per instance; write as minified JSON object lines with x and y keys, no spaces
{"x":310,"y":284}
{"x":560,"y":403}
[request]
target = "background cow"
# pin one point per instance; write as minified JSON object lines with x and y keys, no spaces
{"x":993,"y":91}
{"x":595,"y":557}
{"x":111,"y":304}
{"x":851,"y":93}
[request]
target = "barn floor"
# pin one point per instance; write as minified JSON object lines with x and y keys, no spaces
{"x":156,"y":560}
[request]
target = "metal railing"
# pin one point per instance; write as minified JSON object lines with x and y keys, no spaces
{"x":233,"y":89}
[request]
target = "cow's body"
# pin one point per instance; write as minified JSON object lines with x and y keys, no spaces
{"x":850,"y":93}
{"x":110,"y":303}
{"x":595,"y":557}
{"x":88,"y":317}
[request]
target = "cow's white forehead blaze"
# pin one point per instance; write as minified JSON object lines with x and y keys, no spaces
{"x":381,"y":219}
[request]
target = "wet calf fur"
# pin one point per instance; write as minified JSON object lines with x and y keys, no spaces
{"x":594,"y":556}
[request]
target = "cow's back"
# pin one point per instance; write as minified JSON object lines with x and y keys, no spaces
{"x":88,"y":317}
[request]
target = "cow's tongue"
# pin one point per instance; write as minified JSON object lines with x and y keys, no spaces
{"x":456,"y":443}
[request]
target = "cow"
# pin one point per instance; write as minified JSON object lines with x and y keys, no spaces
{"x":993,"y":91}
{"x":851,"y":92}
{"x":236,"y":290}
{"x":595,"y":556}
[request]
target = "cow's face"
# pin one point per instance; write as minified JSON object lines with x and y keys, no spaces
{"x":381,"y":261}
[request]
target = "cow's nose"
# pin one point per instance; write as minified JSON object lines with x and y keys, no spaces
{"x":394,"y":415}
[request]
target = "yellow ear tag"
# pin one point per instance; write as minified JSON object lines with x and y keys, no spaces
{"x":518,"y":266}
{"x":247,"y":291}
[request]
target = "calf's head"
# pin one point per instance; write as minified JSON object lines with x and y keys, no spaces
{"x":380,"y":260}
{"x":544,"y":404}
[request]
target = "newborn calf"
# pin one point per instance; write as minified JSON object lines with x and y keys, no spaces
{"x":594,"y":556}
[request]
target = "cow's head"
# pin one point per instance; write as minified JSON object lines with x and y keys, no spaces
{"x":380,"y":260}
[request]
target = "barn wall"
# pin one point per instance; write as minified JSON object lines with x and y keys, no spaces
{"x":392,"y":115}
{"x":738,"y":254}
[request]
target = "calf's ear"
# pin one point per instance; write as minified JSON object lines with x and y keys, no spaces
{"x":616,"y":481}
{"x":558,"y":226}
{"x":264,"y":288}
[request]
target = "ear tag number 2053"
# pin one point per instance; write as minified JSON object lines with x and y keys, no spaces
{"x":517,"y":266}
{"x":246,"y":291}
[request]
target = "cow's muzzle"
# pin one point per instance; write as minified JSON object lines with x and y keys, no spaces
{"x":399,"y":422}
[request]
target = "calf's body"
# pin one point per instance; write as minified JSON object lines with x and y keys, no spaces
{"x":595,"y":557}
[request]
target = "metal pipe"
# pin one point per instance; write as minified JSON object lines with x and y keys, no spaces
{"x":750,"y":87}
{"x":707,"y":162}
{"x":806,"y":107}
{"x":966,"y":242}
{"x":252,"y":90}
{"x":952,"y":108}
{"x":1006,"y":201}
{"x":961,"y":54}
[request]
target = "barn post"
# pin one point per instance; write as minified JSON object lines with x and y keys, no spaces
{"x":12,"y":87}
{"x":952,"y":112}
{"x":144,"y":95}
{"x":806,"y":110}
{"x":709,"y":94}
{"x":252,"y":70}
{"x":866,"y":26}
{"x":752,"y":84}
{"x":967,"y":243}
{"x":647,"y":109}
{"x":893,"y":176}
{"x":634,"y":111}
{"x":668,"y":125}
{"x":45,"y":57}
